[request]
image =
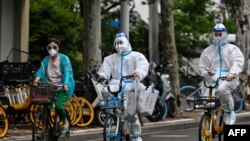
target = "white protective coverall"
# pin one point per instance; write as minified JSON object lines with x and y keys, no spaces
{"x":123,"y":63}
{"x":223,"y":59}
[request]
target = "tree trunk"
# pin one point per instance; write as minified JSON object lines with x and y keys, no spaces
{"x":169,"y":52}
{"x":153,"y":32}
{"x":92,"y":33}
{"x":241,"y":9}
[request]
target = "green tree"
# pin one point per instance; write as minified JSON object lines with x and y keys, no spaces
{"x":192,"y":20}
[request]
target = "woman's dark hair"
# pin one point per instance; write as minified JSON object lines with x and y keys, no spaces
{"x":55,"y":40}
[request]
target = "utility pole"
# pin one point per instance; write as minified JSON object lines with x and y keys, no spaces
{"x":124,"y":16}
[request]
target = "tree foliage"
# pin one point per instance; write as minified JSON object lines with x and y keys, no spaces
{"x":192,"y":20}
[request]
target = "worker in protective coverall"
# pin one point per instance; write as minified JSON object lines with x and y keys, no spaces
{"x":223,"y":59}
{"x":125,"y":62}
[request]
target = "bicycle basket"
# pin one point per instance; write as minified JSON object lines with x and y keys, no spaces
{"x":206,"y":102}
{"x":16,"y":71}
{"x":43,"y":94}
{"x":17,"y":55}
{"x":111,"y":102}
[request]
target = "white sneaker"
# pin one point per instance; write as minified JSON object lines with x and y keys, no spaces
{"x":65,"y":127}
{"x":229,"y":118}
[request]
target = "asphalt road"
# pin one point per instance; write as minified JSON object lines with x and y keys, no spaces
{"x":169,"y":130}
{"x":189,"y":134}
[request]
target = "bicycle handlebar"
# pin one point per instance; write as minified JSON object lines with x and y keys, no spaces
{"x":216,"y":82}
{"x":120,"y":85}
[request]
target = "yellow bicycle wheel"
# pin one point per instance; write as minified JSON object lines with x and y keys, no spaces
{"x":32,"y":112}
{"x":88,"y":112}
{"x":205,"y":130}
{"x":78,"y":109}
{"x":69,"y":108}
{"x":4,"y":124}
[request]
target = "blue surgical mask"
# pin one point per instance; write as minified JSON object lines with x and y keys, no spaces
{"x":52,"y":52}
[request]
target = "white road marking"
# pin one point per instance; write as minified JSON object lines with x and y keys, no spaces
{"x":169,"y":136}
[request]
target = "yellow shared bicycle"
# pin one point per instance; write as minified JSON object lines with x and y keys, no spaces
{"x":211,"y":122}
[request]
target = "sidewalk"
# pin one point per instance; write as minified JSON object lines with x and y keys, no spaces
{"x":188,"y":120}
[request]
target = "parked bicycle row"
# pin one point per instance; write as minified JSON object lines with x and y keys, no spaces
{"x":80,"y":110}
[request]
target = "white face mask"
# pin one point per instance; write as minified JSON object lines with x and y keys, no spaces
{"x":121,"y":45}
{"x":52,"y":52}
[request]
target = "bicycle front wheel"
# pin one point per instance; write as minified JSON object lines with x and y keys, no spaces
{"x":110,"y":128}
{"x":205,"y":129}
{"x":33,"y":109}
{"x":4,"y":124}
{"x":40,"y":131}
{"x":187,"y":95}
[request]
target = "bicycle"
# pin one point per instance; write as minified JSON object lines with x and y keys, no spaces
{"x":46,"y":126}
{"x":189,"y":92}
{"x":114,"y":125}
{"x":211,"y":122}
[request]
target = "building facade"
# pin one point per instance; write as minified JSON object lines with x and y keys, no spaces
{"x":14,"y":26}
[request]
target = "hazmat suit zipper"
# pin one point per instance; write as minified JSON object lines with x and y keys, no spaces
{"x":219,"y":49}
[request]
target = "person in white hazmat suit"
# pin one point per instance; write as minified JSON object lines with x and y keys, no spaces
{"x":125,"y":62}
{"x":222,"y":59}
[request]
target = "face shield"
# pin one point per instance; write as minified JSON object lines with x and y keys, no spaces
{"x":121,"y":43}
{"x":219,"y":35}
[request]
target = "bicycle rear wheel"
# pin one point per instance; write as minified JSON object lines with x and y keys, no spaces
{"x":109,"y":129}
{"x":4,"y":124}
{"x":205,"y":133}
{"x":238,"y":101}
{"x":221,"y":124}
{"x":187,"y":98}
